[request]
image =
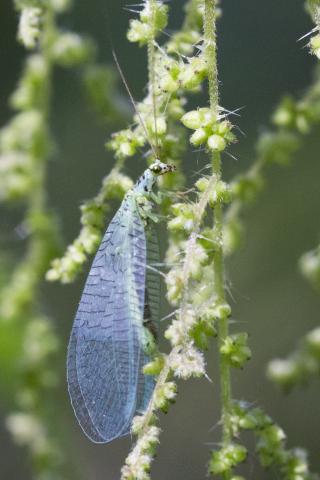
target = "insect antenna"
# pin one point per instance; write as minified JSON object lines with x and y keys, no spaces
{"x":154,"y":150}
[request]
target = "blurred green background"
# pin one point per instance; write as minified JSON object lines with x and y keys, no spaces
{"x":259,"y":60}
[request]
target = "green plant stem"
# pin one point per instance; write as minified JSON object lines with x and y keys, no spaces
{"x":218,"y":264}
{"x":37,"y":204}
{"x":210,"y":46}
{"x":37,"y":200}
{"x":152,"y":71}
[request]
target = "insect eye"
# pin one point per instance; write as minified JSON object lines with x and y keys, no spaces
{"x":159,"y":168}
{"x":155,"y":168}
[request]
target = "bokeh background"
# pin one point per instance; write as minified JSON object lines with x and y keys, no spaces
{"x":259,"y":60}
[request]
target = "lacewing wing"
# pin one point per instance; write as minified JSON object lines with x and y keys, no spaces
{"x":106,"y":352}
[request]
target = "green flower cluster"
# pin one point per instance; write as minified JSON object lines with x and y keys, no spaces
{"x":213,"y":131}
{"x":270,"y":442}
{"x":153,"y":18}
{"x":224,"y":460}
{"x":176,"y":74}
{"x":299,"y":367}
{"x":235,"y":349}
{"x":126,"y":143}
{"x":309,"y":265}
{"x":297,"y":115}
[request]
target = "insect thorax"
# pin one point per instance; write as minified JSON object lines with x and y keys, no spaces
{"x":145,"y":183}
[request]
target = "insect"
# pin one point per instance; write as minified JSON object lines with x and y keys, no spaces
{"x":110,"y":340}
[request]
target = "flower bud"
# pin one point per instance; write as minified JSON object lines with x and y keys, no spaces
{"x":235,"y":349}
{"x":198,"y":137}
{"x":192,"y":119}
{"x":283,"y":372}
{"x":227,"y":458}
{"x":139,"y":32}
{"x":216,"y":143}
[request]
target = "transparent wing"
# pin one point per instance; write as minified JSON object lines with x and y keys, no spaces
{"x":151,"y":313}
{"x":77,"y":399}
{"x":105,"y":352}
{"x":153,"y":278}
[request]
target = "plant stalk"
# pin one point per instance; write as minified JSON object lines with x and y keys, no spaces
{"x":210,"y":51}
{"x":152,"y":72}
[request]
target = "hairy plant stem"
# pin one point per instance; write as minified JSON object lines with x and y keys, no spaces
{"x":37,"y":205}
{"x":37,"y":202}
{"x":218,"y":264}
{"x":152,"y":71}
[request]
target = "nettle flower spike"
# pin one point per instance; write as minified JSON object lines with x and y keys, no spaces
{"x":227,"y":458}
{"x":153,"y":19}
{"x":209,"y":128}
{"x":138,"y":462}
